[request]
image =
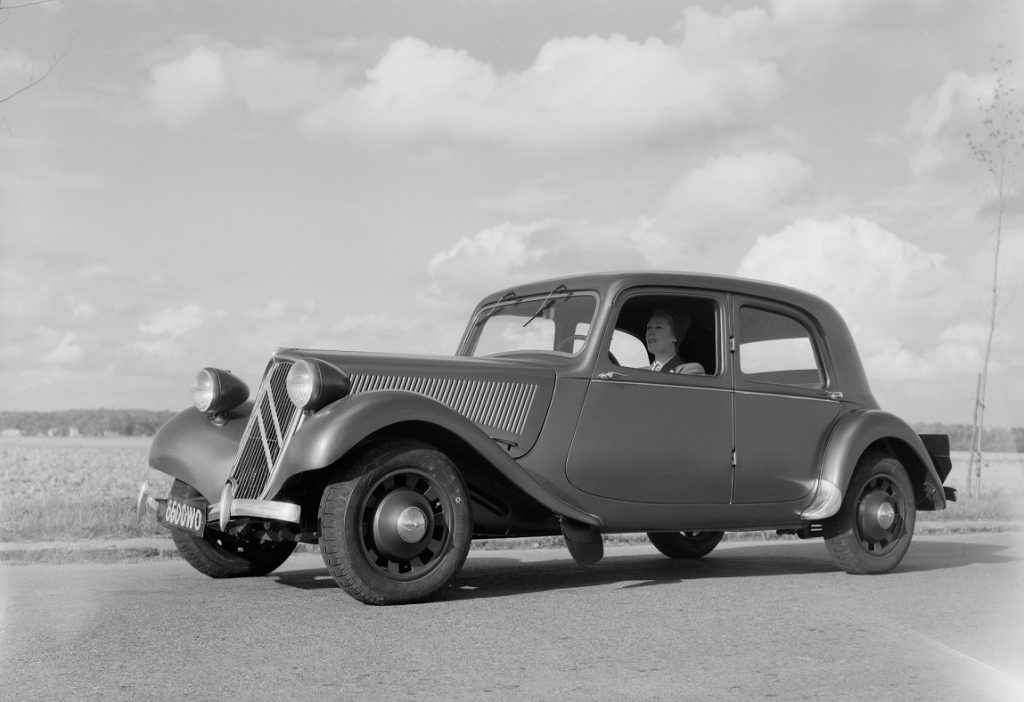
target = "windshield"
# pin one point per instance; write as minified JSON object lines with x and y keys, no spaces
{"x":558,"y":321}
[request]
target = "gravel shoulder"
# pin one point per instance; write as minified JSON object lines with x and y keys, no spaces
{"x":156,"y":548}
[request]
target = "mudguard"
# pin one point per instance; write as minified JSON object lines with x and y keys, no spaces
{"x":327,"y":436}
{"x":861,"y":428}
{"x":193,"y":449}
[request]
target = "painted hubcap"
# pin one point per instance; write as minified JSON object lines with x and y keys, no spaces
{"x":878,"y":516}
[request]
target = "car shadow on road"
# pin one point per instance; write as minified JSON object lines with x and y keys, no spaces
{"x":498,"y":574}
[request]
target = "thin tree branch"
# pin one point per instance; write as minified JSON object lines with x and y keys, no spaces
{"x":36,"y":81}
{"x":24,"y":4}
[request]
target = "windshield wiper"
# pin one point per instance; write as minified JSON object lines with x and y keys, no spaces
{"x":494,"y":309}
{"x":544,"y":306}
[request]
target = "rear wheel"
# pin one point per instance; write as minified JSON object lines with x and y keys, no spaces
{"x":872,"y":530}
{"x":399,"y":529}
{"x":221,"y":555}
{"x":685,"y":544}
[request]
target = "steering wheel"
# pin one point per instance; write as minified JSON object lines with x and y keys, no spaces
{"x":565,"y":345}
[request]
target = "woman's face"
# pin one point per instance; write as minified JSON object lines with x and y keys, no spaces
{"x":660,"y":337}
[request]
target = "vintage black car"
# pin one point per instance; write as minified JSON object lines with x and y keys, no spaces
{"x":678,"y":405}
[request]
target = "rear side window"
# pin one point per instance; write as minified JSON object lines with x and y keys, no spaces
{"x":777,"y":348}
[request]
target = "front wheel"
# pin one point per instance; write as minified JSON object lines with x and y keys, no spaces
{"x":399,"y":528}
{"x":872,"y":530}
{"x":221,"y":555}
{"x":685,"y":544}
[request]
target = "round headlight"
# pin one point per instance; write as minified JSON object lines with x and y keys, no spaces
{"x":217,"y":391}
{"x":313,"y":384}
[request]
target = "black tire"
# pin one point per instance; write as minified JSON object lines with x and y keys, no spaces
{"x":875,"y":524}
{"x":221,"y":555}
{"x":399,"y":528}
{"x":685,"y":544}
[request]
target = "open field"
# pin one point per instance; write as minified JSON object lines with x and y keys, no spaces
{"x":66,"y":489}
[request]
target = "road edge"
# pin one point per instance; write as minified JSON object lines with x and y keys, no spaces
{"x":162,"y":548}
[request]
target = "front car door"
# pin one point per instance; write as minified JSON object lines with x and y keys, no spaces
{"x":783,"y":406}
{"x":658,"y":437}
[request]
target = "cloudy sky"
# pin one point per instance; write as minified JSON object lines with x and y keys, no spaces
{"x":199,"y":183}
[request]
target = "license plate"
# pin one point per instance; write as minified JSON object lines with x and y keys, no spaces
{"x":189,"y":515}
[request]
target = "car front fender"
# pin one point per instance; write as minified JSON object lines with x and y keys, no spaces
{"x":191,"y":448}
{"x":326,"y":437}
{"x":859,"y":430}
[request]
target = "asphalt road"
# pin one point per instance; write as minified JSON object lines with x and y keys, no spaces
{"x":751,"y":621}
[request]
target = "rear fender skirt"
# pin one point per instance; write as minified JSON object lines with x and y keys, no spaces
{"x":860,"y":429}
{"x":327,"y":436}
{"x":193,"y":449}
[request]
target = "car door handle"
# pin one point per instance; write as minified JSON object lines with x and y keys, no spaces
{"x":610,"y":375}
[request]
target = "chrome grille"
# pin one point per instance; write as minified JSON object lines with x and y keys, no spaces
{"x":274,"y":419}
{"x":497,"y":405}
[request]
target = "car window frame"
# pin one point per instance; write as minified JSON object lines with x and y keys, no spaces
{"x":605,"y":369}
{"x":814,"y":334}
{"x":474,"y":330}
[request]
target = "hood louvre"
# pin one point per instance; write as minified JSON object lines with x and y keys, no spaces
{"x":502,"y":406}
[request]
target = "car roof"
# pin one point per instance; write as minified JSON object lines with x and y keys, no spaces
{"x":613,"y":282}
{"x":847,"y":366}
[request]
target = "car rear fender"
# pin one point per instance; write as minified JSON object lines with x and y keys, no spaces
{"x":195,"y":450}
{"x":870,"y":429}
{"x":328,"y":436}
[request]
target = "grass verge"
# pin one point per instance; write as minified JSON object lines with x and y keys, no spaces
{"x":65,"y":497}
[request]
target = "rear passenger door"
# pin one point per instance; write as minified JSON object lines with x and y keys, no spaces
{"x":783,"y":407}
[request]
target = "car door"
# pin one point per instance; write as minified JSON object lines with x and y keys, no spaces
{"x":656,"y":437}
{"x":784,"y":408}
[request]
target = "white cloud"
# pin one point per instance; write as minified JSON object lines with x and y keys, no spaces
{"x":81,"y":310}
{"x":939,"y":122}
{"x":69,"y":350}
{"x":266,"y":79}
{"x":732,"y":187}
{"x":903,"y":304}
{"x":851,"y":257}
{"x":272,"y":80}
{"x":818,"y":12}
{"x":511,"y":253}
{"x":175,"y":322}
{"x":182,"y":90}
{"x":578,"y":91}
{"x":712,"y":209}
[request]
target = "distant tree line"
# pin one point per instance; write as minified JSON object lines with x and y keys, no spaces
{"x":131,"y":422}
{"x":99,"y":422}
{"x":994,"y":439}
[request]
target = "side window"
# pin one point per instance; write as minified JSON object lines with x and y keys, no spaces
{"x":679,"y":332}
{"x":776,"y":348}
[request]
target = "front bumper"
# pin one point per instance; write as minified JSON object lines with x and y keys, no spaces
{"x":228,"y":508}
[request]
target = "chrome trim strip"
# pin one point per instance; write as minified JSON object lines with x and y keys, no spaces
{"x":273,"y":415}
{"x":715,"y":388}
{"x":263,"y":436}
{"x":782,"y":393}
